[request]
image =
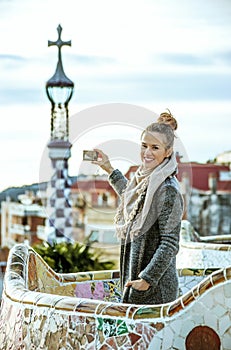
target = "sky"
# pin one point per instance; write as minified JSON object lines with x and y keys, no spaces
{"x":153,"y":54}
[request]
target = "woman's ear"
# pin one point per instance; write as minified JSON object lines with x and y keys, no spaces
{"x":169,"y":152}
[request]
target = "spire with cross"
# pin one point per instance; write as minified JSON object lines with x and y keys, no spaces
{"x":59,"y":41}
{"x":59,"y":78}
{"x":59,"y":90}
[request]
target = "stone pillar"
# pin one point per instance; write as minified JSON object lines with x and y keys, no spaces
{"x":59,"y":202}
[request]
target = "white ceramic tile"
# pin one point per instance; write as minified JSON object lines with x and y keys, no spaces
{"x":187,"y":326}
{"x":210,"y":320}
{"x":168,"y":337}
{"x":218,"y":310}
{"x":227,"y":290}
{"x":224,"y":324}
{"x":226,"y":340}
{"x":178,"y":343}
{"x":156,"y":343}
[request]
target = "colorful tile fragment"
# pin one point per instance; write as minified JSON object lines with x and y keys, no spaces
{"x":44,"y":310}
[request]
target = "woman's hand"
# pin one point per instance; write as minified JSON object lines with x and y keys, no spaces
{"x":103,"y":161}
{"x":138,"y":284}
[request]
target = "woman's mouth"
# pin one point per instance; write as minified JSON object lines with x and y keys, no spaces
{"x":148,"y":160}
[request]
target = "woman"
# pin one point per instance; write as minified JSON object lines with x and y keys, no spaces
{"x":148,"y":219}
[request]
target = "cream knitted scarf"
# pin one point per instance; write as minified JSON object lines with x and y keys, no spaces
{"x":141,"y":189}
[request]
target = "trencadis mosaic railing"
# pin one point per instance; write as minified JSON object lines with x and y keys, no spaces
{"x":196,"y":253}
{"x":44,"y":310}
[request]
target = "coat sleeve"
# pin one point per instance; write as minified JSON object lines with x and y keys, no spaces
{"x":169,"y":210}
{"x":118,"y":181}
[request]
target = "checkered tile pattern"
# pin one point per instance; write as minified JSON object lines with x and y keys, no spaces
{"x":59,"y":206}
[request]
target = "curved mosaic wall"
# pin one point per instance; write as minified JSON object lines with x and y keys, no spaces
{"x":44,"y":310}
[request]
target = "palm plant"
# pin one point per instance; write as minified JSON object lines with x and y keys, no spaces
{"x":66,"y":257}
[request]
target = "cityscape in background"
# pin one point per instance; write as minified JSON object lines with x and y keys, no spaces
{"x":61,"y":264}
{"x":73,"y":208}
{"x":206,"y":189}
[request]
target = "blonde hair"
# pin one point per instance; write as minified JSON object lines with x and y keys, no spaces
{"x":164,"y":129}
{"x":165,"y":125}
{"x":167,"y":118}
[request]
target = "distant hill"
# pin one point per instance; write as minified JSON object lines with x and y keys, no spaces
{"x":14,"y":192}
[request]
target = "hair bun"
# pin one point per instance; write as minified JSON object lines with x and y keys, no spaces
{"x":167,"y":118}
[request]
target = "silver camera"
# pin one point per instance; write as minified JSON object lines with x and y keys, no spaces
{"x":90,"y":155}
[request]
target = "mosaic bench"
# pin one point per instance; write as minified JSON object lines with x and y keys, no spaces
{"x":41,"y":309}
{"x":197,"y":252}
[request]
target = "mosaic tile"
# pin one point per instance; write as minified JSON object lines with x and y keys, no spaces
{"x":44,"y":310}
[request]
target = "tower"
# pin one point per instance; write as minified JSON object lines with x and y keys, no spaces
{"x":59,"y":89}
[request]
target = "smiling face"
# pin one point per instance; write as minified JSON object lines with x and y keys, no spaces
{"x":153,"y":149}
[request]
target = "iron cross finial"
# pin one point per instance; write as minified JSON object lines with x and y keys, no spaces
{"x":59,"y":43}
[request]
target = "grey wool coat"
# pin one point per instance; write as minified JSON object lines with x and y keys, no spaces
{"x":152,"y":255}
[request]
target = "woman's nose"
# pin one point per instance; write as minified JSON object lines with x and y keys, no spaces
{"x":148,"y":151}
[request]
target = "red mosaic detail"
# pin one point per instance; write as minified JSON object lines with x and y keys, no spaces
{"x":158,"y":325}
{"x":134,"y":338}
{"x":202,"y":338}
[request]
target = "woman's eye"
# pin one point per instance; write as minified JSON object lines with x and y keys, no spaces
{"x":154,"y":147}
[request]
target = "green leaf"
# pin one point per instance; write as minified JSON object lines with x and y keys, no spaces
{"x":66,"y":257}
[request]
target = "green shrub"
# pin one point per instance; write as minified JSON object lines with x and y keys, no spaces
{"x":68,"y":257}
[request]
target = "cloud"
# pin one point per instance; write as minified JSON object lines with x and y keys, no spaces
{"x":11,"y":62}
{"x":153,"y":86}
{"x":184,"y":59}
{"x":8,"y":57}
{"x":206,"y":59}
{"x":120,"y":86}
{"x":224,"y":57}
{"x":158,"y":53}
{"x":22,"y":96}
{"x":91,"y":59}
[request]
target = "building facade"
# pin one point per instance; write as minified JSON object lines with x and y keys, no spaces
{"x":22,"y":222}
